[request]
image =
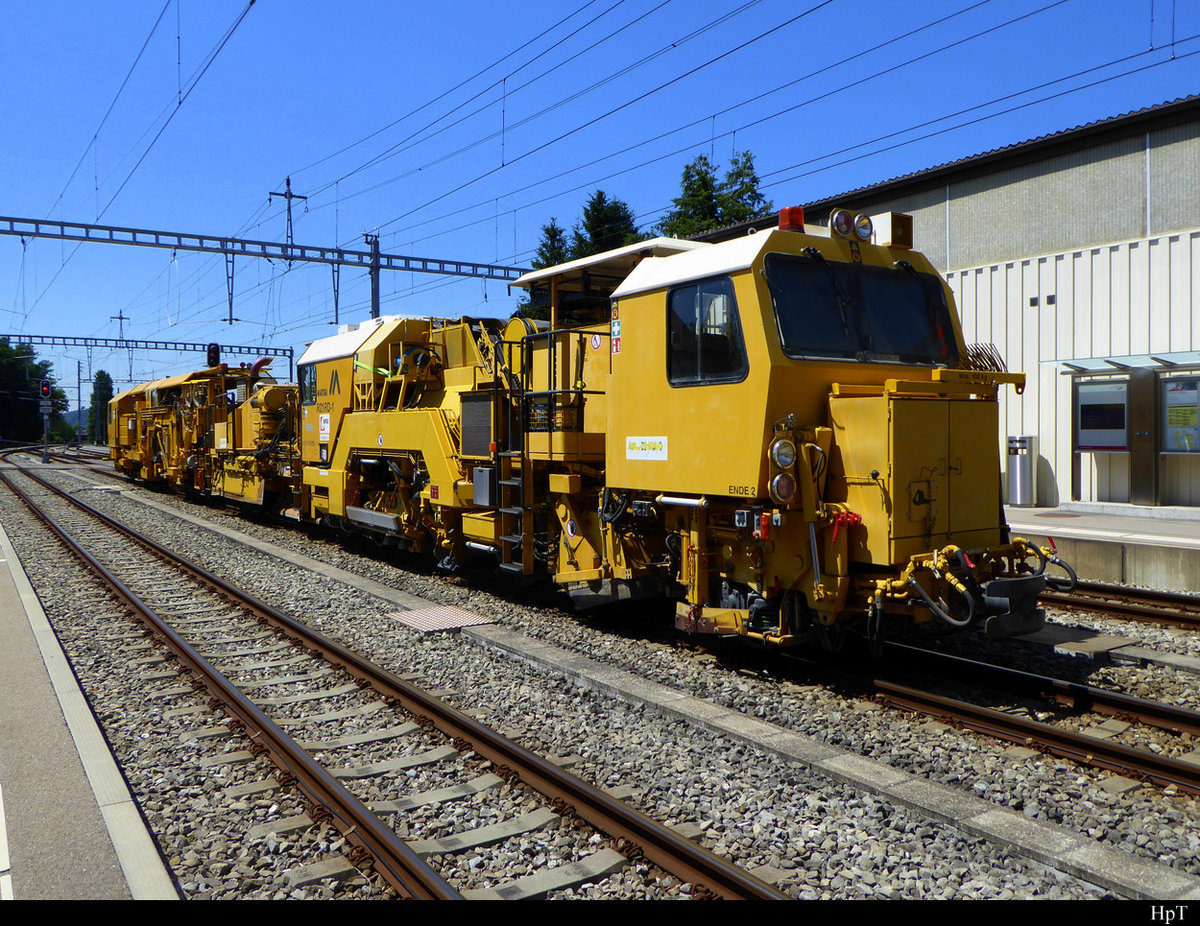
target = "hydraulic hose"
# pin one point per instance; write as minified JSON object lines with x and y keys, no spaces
{"x":942,"y":614}
{"x":1058,"y":584}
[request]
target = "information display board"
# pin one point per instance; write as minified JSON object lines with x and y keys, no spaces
{"x":1101,"y":417}
{"x":1180,"y":415}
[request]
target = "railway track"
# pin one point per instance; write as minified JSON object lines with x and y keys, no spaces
{"x":1095,"y":746}
{"x":1151,"y":606}
{"x":439,"y":657}
{"x":351,"y":681}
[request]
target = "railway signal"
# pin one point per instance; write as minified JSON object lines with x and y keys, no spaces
{"x":44,"y":408}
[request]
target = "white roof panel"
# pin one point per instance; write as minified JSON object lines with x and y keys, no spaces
{"x":663,"y":272}
{"x":654,"y":247}
{"x":342,"y":344}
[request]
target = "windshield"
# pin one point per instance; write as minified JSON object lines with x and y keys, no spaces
{"x":830,"y":309}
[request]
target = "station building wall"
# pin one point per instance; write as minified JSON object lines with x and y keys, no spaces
{"x":1112,"y":301}
{"x":1088,"y":252}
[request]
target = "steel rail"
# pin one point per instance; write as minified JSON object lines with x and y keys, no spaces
{"x":1134,"y":603}
{"x":399,"y":865}
{"x":1080,"y":747}
{"x":1081,"y":696}
{"x":632,"y":830}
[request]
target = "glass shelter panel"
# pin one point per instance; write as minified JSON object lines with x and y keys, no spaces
{"x":1101,"y":416}
{"x":1180,"y":404}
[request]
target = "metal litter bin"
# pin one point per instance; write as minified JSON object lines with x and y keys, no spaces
{"x":1022,"y":471}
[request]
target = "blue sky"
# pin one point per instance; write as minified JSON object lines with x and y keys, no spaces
{"x":458,"y":131}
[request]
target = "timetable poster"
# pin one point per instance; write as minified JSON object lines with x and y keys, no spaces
{"x":1181,"y":416}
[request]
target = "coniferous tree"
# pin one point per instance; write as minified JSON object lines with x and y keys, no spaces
{"x":697,"y":208}
{"x":553,"y":248}
{"x":704,"y":203}
{"x":102,"y":392}
{"x":20,"y":374}
{"x":739,"y":197}
{"x":606,"y":224}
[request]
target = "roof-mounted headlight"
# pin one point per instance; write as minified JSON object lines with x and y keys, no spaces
{"x":846,"y":224}
{"x":841,"y":223}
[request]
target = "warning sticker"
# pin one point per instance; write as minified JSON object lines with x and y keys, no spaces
{"x":324,"y":427}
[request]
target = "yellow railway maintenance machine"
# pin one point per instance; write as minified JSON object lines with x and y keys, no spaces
{"x":785,"y":432}
{"x":224,"y":431}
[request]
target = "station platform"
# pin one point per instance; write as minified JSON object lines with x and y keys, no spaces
{"x":1117,"y":543}
{"x":69,"y":828}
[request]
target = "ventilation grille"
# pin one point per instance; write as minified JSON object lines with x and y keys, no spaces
{"x":476,"y":425}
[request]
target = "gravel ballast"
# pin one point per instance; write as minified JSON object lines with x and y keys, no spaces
{"x":820,"y":840}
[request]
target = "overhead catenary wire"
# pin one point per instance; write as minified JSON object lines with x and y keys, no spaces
{"x":202,"y":70}
{"x":612,"y":111}
{"x":108,"y":112}
{"x":456,"y":215}
{"x":844,"y":151}
{"x":402,"y":146}
{"x":446,"y":93}
{"x":771,"y":174}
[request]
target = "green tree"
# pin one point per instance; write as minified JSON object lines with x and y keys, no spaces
{"x":739,"y":197}
{"x":697,"y":208}
{"x":20,"y":375}
{"x":704,"y":203}
{"x":606,"y":224}
{"x":553,"y":248}
{"x":102,"y":392}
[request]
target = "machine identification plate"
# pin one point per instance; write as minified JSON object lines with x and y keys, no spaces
{"x":645,"y":448}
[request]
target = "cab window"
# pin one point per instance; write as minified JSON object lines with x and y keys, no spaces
{"x":308,"y":384}
{"x":704,"y":339}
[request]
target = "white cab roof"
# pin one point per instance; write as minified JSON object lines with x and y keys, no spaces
{"x":617,"y":261}
{"x":717,"y":259}
{"x":344,"y":343}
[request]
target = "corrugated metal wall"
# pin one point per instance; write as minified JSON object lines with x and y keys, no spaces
{"x":1136,"y":296}
{"x":1132,"y":297}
